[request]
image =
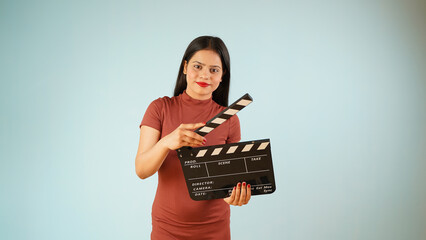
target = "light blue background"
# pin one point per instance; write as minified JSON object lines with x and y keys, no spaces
{"x":338,"y":86}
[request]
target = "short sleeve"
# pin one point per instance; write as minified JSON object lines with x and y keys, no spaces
{"x":153,"y":115}
{"x":234,"y":135}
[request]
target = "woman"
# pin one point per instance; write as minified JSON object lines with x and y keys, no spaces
{"x":201,"y":91}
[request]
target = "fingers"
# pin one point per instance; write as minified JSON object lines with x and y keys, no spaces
{"x":231,"y":198}
{"x":240,"y":196}
{"x":243,"y":195}
{"x":189,"y":136}
{"x":248,"y":197}
{"x":189,"y":141}
{"x":184,"y":136}
{"x":237,"y":194}
{"x":192,"y":135}
{"x":191,"y":144}
{"x":192,"y":126}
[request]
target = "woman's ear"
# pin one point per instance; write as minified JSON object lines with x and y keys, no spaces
{"x":185,"y":67}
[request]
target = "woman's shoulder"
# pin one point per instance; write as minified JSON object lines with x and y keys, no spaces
{"x":164,"y":104}
{"x":159,"y":107}
{"x":165,"y":100}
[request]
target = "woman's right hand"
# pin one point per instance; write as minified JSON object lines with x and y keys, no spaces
{"x":184,"y":135}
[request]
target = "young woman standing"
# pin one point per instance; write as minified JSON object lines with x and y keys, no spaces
{"x":201,"y":92}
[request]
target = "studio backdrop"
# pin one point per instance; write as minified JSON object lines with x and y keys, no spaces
{"x":339,"y":87}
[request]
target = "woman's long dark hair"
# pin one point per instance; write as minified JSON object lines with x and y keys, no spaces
{"x":221,"y":94}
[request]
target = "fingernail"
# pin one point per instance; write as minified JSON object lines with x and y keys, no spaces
{"x":248,"y":186}
{"x":239,"y":184}
{"x":244,"y":184}
{"x":204,"y":140}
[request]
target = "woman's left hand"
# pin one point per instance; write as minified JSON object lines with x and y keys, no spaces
{"x":240,"y":195}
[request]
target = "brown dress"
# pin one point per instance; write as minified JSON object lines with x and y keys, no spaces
{"x":174,"y":214}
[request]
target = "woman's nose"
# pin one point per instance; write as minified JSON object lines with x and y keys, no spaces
{"x":205,"y":74}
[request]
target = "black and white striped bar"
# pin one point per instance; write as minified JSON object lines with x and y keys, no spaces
{"x":225,"y":115}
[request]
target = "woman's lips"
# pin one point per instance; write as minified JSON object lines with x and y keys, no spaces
{"x":203,"y":84}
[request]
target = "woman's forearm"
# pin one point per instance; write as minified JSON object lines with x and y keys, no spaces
{"x":152,"y":150}
{"x":147,"y":163}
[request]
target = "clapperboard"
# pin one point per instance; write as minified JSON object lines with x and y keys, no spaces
{"x":212,"y":172}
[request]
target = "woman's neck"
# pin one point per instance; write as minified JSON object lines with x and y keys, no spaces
{"x":198,"y":96}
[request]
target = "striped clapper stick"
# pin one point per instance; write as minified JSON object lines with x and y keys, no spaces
{"x":225,"y":115}
{"x":211,"y":172}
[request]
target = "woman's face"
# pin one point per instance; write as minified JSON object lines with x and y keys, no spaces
{"x":203,"y":74}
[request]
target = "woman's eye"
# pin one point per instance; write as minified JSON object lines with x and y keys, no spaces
{"x":214,"y":70}
{"x":197,"y":66}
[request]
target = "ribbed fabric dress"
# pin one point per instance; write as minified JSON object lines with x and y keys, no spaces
{"x":174,"y":214}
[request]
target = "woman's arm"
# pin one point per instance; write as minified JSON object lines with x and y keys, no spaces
{"x":152,"y":150}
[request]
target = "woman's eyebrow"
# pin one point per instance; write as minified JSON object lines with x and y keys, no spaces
{"x":205,"y":64}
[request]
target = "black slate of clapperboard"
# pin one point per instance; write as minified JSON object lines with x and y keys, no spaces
{"x":211,"y":172}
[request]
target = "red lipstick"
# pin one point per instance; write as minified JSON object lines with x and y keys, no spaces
{"x":203,"y":84}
